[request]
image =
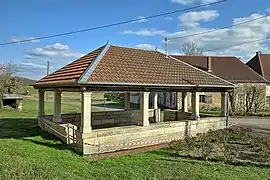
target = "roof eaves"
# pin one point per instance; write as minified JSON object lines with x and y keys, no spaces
{"x":202,"y":71}
{"x":161,"y":85}
{"x":90,"y":69}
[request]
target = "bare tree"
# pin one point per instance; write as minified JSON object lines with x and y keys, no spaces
{"x":191,"y":49}
{"x":248,"y":98}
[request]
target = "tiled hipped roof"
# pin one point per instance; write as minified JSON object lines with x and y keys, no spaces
{"x":229,"y":68}
{"x":261,"y":64}
{"x":114,"y":65}
{"x":73,"y":71}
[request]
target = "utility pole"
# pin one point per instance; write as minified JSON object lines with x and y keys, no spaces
{"x":48,"y":67}
{"x":166,"y":46}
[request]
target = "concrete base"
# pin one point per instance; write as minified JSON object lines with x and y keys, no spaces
{"x":129,"y":137}
{"x":121,"y":138}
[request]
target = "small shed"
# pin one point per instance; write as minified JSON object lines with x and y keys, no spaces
{"x":12,"y":100}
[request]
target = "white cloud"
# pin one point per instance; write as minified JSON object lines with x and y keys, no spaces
{"x":34,"y":65}
{"x":192,"y":19}
{"x":17,"y":39}
{"x":208,"y":1}
{"x":32,"y":70}
{"x":56,"y":50}
{"x":140,"y":19}
{"x":188,"y":2}
{"x":151,"y":47}
{"x":168,"y":18}
{"x":146,"y":32}
{"x":146,"y":46}
{"x":258,"y":29}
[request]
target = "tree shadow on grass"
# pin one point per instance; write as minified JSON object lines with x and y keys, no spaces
{"x":175,"y":157}
{"x":25,"y":128}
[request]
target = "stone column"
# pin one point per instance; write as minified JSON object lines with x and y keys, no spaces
{"x":127,"y":101}
{"x":195,"y":106}
{"x":156,"y":109}
{"x":144,"y":104}
{"x":41,"y":109}
{"x":86,"y":112}
{"x":224,"y":109}
{"x":155,"y":100}
{"x":184,"y":102}
{"x":178,"y":101}
{"x":57,"y":106}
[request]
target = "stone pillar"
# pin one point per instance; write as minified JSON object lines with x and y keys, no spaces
{"x":155,"y":100}
{"x":224,"y":109}
{"x":184,"y":102}
{"x":144,"y":103}
{"x":86,"y":112}
{"x":195,"y":106}
{"x":127,"y":101}
{"x":57,"y":106}
{"x":41,"y":109}
{"x":157,"y":115}
{"x":178,"y":101}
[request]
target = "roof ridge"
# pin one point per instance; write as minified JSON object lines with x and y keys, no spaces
{"x":261,"y":66}
{"x":205,"y":56}
{"x":255,"y":72}
{"x":148,"y":50}
{"x":201,"y":70}
{"x":92,"y":66}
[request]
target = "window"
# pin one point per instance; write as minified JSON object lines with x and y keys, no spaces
{"x":205,"y":99}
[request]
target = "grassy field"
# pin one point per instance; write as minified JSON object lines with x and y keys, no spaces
{"x":28,"y":153}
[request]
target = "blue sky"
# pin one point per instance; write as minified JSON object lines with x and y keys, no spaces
{"x":27,"y":19}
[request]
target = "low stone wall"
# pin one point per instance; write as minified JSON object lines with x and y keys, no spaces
{"x":174,"y":115}
{"x":129,"y":137}
{"x":108,"y":118}
{"x":61,"y":131}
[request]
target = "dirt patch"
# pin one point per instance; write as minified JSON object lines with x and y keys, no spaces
{"x":126,"y":152}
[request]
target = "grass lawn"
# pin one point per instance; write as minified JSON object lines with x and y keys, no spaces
{"x":28,"y":153}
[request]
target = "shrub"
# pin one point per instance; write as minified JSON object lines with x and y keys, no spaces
{"x":184,"y":147}
{"x":204,"y":145}
{"x":115,"y":96}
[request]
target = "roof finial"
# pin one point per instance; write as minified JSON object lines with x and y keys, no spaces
{"x":156,"y":48}
{"x":107,"y":42}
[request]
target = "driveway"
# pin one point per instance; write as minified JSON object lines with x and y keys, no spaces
{"x":261,"y":125}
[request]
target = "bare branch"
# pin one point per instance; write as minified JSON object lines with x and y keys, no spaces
{"x":191,"y":49}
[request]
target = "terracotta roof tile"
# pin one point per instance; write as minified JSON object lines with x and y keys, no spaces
{"x":265,"y":64}
{"x":73,"y":71}
{"x":128,"y":65}
{"x":118,"y":65}
{"x":229,"y":68}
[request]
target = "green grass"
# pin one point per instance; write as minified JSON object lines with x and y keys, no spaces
{"x":28,"y":153}
{"x":211,"y":112}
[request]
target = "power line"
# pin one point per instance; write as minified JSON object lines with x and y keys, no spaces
{"x":247,"y":42}
{"x":113,"y":24}
{"x":224,"y":27}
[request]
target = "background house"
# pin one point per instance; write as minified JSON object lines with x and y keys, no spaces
{"x":231,"y":69}
{"x":261,"y":64}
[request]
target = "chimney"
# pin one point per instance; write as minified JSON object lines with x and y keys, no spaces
{"x":258,"y":53}
{"x":209,"y":64}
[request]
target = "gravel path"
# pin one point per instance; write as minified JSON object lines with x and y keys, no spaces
{"x":261,"y":125}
